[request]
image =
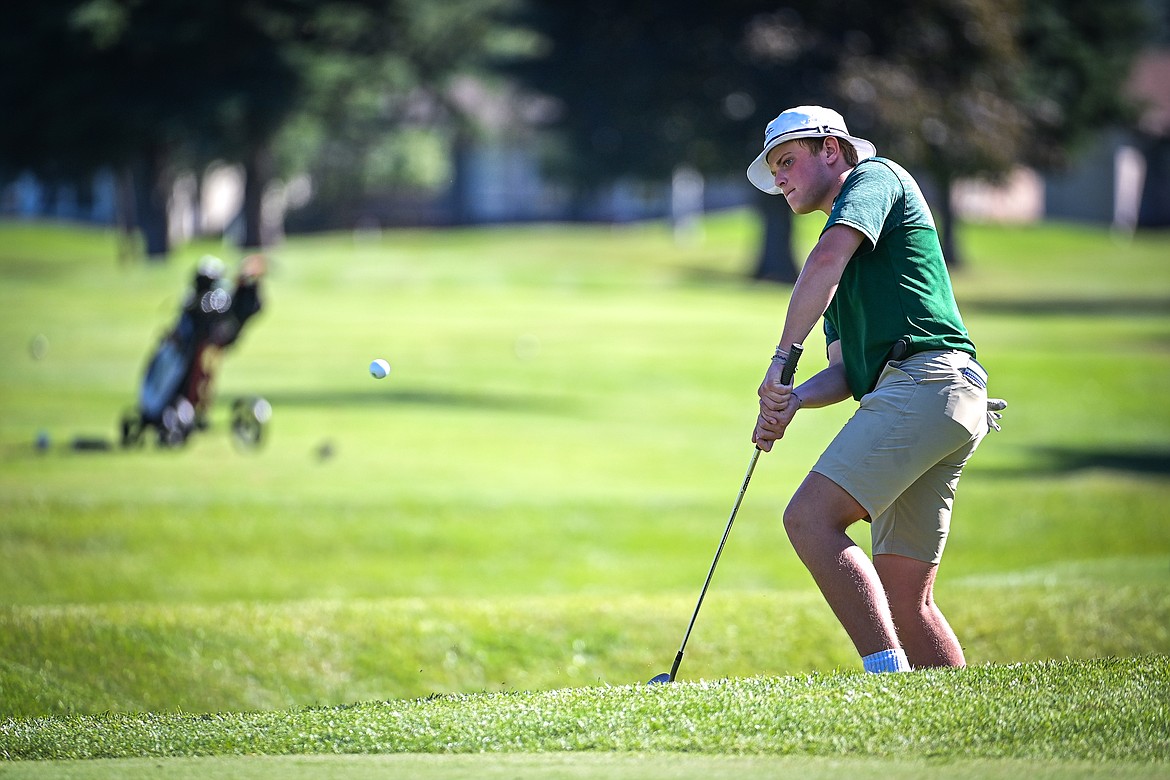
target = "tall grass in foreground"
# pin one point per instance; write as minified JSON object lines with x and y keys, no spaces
{"x":1107,"y":710}
{"x":246,"y":656}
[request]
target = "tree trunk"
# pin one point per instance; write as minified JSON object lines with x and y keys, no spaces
{"x":776,"y":262}
{"x":126,"y":216}
{"x":947,"y":222}
{"x":458,"y":205}
{"x":257,"y":171}
{"x":151,"y":187}
{"x":1154,"y":211}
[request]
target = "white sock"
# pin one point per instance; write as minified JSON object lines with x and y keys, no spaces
{"x":893,"y":660}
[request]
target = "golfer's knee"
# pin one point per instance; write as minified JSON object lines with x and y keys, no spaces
{"x":810,"y":519}
{"x":799,"y":523}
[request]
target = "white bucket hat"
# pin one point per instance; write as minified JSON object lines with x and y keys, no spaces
{"x":801,"y":122}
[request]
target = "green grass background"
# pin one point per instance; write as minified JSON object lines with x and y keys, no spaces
{"x":530,"y":502}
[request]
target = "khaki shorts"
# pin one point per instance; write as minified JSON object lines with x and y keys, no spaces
{"x":901,"y":454}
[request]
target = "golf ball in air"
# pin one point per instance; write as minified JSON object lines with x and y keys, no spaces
{"x":379,"y":369}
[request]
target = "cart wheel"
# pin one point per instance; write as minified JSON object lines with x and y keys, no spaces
{"x":250,"y":416}
{"x":177,"y":423}
{"x":132,"y":430}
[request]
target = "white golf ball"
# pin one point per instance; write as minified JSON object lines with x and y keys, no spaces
{"x":379,"y":369}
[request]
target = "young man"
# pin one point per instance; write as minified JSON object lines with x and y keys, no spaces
{"x":896,"y":344}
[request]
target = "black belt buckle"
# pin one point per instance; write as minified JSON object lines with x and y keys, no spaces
{"x":899,"y":351}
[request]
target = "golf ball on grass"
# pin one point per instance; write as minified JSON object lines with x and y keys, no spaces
{"x":379,"y":369}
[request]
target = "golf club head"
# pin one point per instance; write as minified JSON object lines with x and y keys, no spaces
{"x":659,"y":679}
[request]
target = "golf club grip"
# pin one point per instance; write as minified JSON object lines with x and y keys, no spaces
{"x":789,"y":369}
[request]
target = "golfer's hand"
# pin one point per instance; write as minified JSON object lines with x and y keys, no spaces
{"x":778,"y":406}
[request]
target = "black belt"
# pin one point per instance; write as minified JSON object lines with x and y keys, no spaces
{"x":900,"y":350}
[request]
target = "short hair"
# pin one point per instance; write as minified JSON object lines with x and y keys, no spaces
{"x":815,"y":145}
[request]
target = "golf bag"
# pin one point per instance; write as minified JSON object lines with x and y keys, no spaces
{"x":176,"y":390}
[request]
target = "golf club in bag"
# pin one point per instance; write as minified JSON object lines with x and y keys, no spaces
{"x":785,"y":378}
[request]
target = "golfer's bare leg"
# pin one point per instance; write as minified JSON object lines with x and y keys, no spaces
{"x":926,"y":636}
{"x":816,"y":520}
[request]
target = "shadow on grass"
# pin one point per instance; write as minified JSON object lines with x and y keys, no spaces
{"x":433,"y":398}
{"x":1130,"y":306}
{"x":1065,"y":460}
{"x":700,"y":276}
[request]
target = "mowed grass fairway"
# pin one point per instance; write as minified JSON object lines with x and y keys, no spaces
{"x":491,"y":550}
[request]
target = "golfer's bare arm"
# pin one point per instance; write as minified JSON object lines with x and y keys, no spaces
{"x":818,"y":282}
{"x":810,"y":298}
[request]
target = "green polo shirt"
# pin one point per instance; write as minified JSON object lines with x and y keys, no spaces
{"x":896,"y":285}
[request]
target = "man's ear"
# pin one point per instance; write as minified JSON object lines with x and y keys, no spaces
{"x":831,"y":148}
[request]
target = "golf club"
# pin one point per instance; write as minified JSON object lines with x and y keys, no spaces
{"x":785,"y":378}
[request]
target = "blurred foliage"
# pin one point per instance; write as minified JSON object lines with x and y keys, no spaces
{"x":961,"y":87}
{"x":1079,"y":55}
{"x":103,"y":82}
{"x":318,"y":87}
{"x":367,"y":94}
{"x":955,"y":88}
{"x":377,"y":110}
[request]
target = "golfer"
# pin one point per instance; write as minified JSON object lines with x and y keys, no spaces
{"x":896,"y":344}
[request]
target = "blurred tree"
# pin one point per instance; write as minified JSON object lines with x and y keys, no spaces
{"x":136,"y":85}
{"x":647,"y":87}
{"x":956,"y":87}
{"x":48,"y":92}
{"x":275,"y":84}
{"x":380,"y":111}
{"x":144,"y":86}
{"x":935,"y":85}
{"x":974,"y":88}
{"x":1079,"y":54}
{"x":951,"y":87}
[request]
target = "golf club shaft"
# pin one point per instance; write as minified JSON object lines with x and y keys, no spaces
{"x":786,"y":376}
{"x":711,"y":572}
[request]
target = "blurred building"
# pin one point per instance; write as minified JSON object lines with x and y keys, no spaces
{"x":1121,"y":180}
